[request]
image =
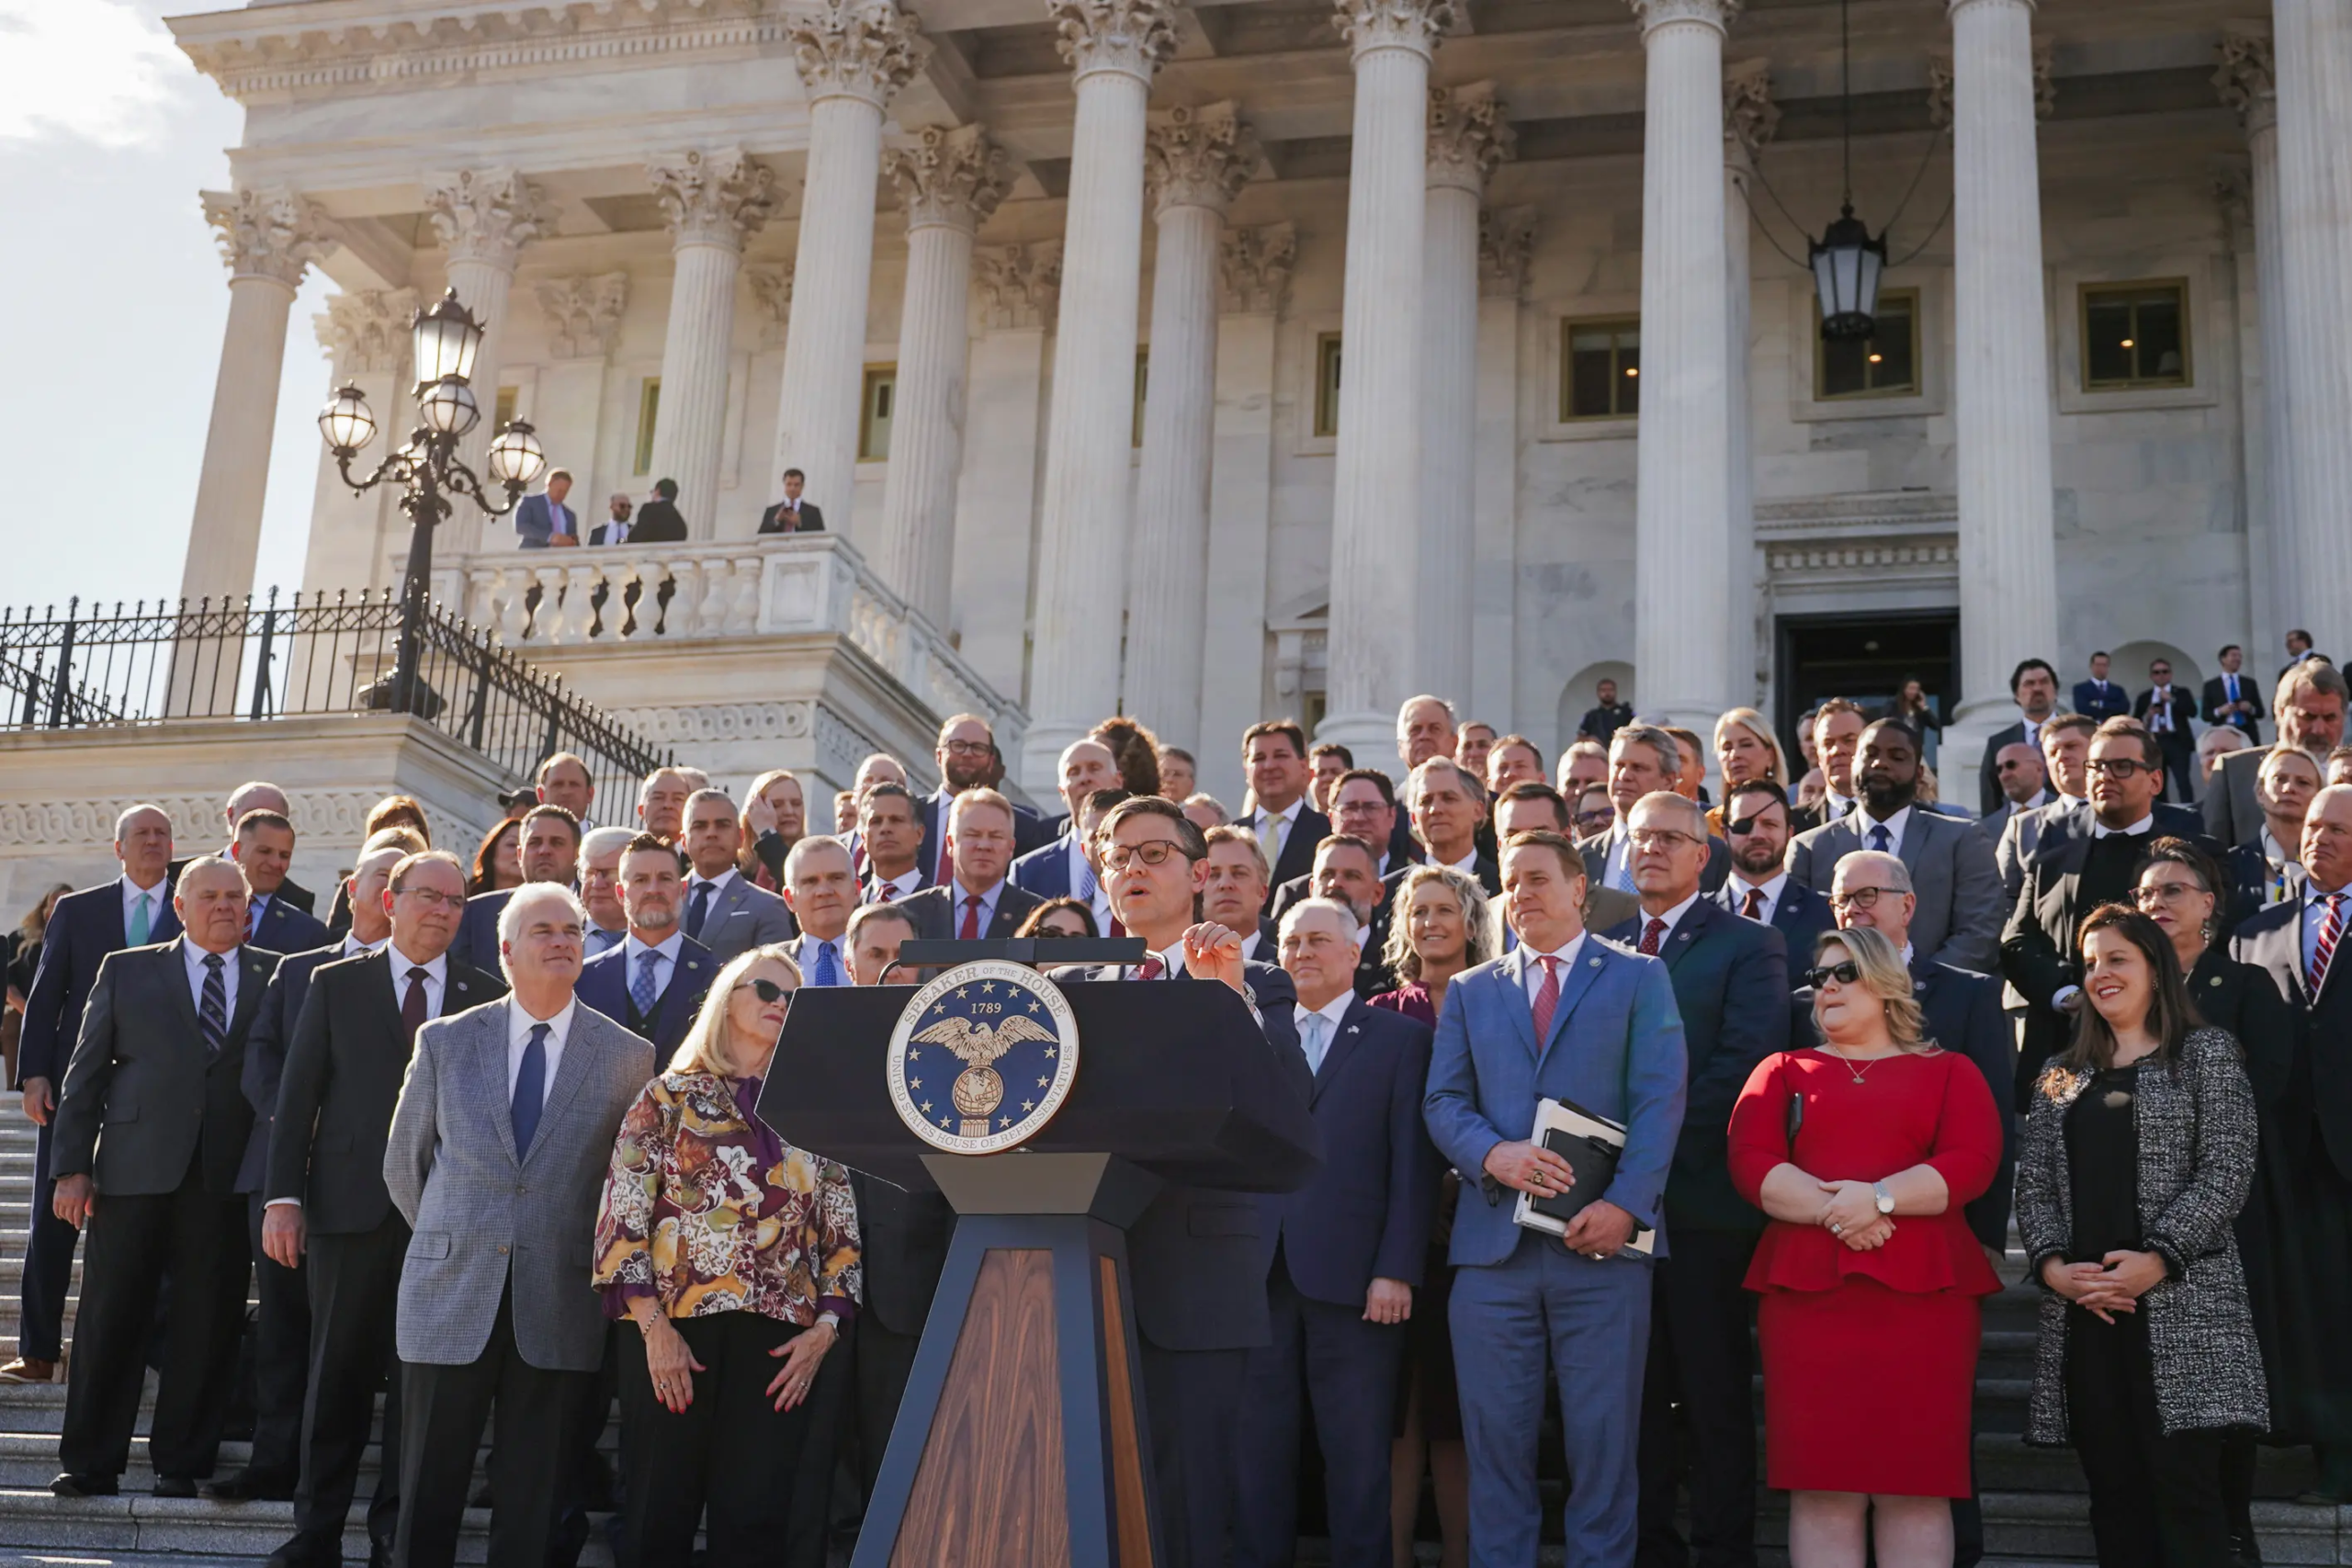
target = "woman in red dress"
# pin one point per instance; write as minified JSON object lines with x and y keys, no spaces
{"x":1862,"y":1152}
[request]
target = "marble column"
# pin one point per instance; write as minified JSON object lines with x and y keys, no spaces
{"x":2314,"y":144}
{"x":1377,"y":487}
{"x":1113,"y":47}
{"x":484,"y":218}
{"x":1749,"y":118}
{"x":711,"y":201}
{"x":1505,"y":249}
{"x":1684,"y":620}
{"x":1015,"y":290}
{"x":2009,"y":557}
{"x":268,"y":236}
{"x":949,"y":183}
{"x":360,"y":541}
{"x":1467,"y":138}
{"x":853,"y":55}
{"x":2247,"y":84}
{"x":1195,"y":163}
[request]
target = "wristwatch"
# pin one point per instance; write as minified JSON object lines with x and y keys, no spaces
{"x":1885,"y":1199}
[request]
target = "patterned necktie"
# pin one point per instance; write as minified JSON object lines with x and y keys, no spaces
{"x":1754,"y":909}
{"x":1623,"y":879}
{"x":640,"y":985}
{"x":828,"y":966}
{"x":413,"y":1005}
{"x":1652,"y":934}
{"x":1315,"y":1039}
{"x":1270,"y":831}
{"x":1547,"y":999}
{"x":212,"y":1013}
{"x":531,"y":1090}
{"x":1879,"y":838}
{"x":1151,"y":968}
{"x":699,"y":910}
{"x":138,"y":928}
{"x":971,"y":931}
{"x":2329,"y":935}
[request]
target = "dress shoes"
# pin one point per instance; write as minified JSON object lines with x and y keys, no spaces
{"x":308,"y":1551}
{"x":24,"y":1368}
{"x":175,"y":1486}
{"x":251,"y":1486}
{"x":85,"y":1486}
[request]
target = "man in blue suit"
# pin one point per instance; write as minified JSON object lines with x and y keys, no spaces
{"x":654,"y":983}
{"x":550,"y":852}
{"x":1565,"y":1016}
{"x":264,"y":849}
{"x":133,"y":911}
{"x":1729,"y":975}
{"x":1347,"y":1254}
{"x":1757,"y":826}
{"x":542,"y":521}
{"x":2099,"y":697}
{"x":1065,"y":868}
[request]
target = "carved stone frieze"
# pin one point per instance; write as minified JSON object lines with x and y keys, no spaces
{"x":584,"y":312}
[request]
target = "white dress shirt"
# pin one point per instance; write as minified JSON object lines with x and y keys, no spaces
{"x":1741,"y":886}
{"x":2032,"y":730}
{"x":436,"y":978}
{"x":157,"y":898}
{"x":910,"y":880}
{"x":1673,"y":919}
{"x":519,"y":1024}
{"x":1567,"y":961}
{"x":1469,"y":864}
{"x":717,"y":885}
{"x":1261,"y":821}
{"x":1330,"y":1012}
{"x":2160,"y":710}
{"x":1250,"y":941}
{"x":195,"y":956}
{"x":1895,"y":826}
{"x":615,"y":532}
{"x":1834,"y":806}
{"x":2146,"y":824}
{"x":665,"y":959}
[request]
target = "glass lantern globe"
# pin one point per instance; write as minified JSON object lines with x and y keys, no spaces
{"x":447,"y":407}
{"x":515,"y":456}
{"x":346,"y":422}
{"x":1846,"y":266}
{"x":447,"y":337}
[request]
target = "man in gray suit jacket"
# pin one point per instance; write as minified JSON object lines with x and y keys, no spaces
{"x":2309,"y":706}
{"x":723,"y":912}
{"x":1952,"y":870}
{"x":496,"y":1160}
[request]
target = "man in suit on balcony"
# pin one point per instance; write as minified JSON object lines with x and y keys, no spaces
{"x":793,"y":516}
{"x":544,"y":522}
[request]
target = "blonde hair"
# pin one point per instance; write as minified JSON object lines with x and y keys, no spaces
{"x":1886,"y":976}
{"x":704,"y":1048}
{"x":1755,"y":723}
{"x":1479,"y":939}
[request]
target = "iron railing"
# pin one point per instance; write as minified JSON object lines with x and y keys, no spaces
{"x":253,"y":662}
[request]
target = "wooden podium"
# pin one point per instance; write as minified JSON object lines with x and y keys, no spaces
{"x":1022,"y":1440}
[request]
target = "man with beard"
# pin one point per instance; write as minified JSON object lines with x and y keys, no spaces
{"x":1756,"y":824}
{"x":654,"y":982}
{"x":965,"y":753}
{"x":1958,"y":889}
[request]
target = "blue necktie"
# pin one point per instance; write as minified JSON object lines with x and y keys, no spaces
{"x":640,"y":989}
{"x":1879,"y":839}
{"x":212,"y":1013}
{"x":531,"y":1090}
{"x":253,"y":920}
{"x":828,"y":966}
{"x":1316,"y":1040}
{"x":1623,"y":880}
{"x":699,"y":909}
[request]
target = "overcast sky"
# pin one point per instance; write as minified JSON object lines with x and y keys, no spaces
{"x":114,"y":296}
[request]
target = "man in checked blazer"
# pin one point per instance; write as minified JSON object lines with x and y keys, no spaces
{"x":496,"y":1159}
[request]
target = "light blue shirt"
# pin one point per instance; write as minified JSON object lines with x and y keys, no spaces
{"x":2315,"y":921}
{"x":665,"y":958}
{"x":987,"y":906}
{"x":811,"y":961}
{"x":1317,"y":1027}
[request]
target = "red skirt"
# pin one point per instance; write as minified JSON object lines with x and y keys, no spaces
{"x":1869,"y":1390}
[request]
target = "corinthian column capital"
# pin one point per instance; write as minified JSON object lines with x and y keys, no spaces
{"x":1254,"y":268}
{"x":1467,"y":136}
{"x":1017,"y":287}
{"x":1133,"y":38}
{"x":1373,"y":24}
{"x":1750,"y":117}
{"x":2246,"y":79}
{"x":1506,"y":245}
{"x":858,"y":49}
{"x":951,"y":178}
{"x":1656,"y":14}
{"x":712,"y":198}
{"x":273,"y":231}
{"x":366,"y":330}
{"x":1199,"y":157}
{"x":487,"y":215}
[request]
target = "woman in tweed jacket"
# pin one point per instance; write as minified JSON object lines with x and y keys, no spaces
{"x":2138,"y":1152}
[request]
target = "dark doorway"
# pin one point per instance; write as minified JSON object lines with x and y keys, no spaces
{"x":1864,"y":658}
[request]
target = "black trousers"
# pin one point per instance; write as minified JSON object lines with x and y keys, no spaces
{"x":730,"y":1450}
{"x":49,"y":1268}
{"x":2155,"y":1500}
{"x":884,"y":1362}
{"x":355,"y":1280}
{"x":1195,"y":1400}
{"x":442,"y":1411}
{"x":1698,"y":1406}
{"x":817,"y":1481}
{"x":199,"y":1240}
{"x":281,"y":1355}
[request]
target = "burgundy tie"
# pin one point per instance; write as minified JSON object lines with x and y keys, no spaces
{"x":884,"y":891}
{"x":1547,"y":998}
{"x":1754,"y":909}
{"x":971,"y":931}
{"x":413,"y":1005}
{"x":1651,"y":935}
{"x":1151,"y":968}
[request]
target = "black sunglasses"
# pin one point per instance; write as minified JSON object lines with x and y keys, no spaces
{"x":767,"y":990}
{"x":1846,"y":973}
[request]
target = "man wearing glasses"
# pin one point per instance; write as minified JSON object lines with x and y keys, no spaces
{"x":2166,"y":710}
{"x":1756,"y":824}
{"x":2084,"y":860}
{"x":966,"y":755}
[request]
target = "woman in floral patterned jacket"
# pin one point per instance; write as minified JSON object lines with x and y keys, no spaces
{"x":734,"y":1254}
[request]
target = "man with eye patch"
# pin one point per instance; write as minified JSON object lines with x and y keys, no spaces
{"x":1756,"y":824}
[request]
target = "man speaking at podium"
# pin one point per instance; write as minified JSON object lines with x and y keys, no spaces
{"x":1198,"y":1259}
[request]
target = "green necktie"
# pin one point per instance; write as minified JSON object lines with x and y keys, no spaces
{"x":139,"y":929}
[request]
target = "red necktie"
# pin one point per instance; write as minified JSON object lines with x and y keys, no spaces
{"x":1754,"y":909}
{"x":1547,"y":998}
{"x":971,"y":931}
{"x":1151,"y":968}
{"x":946,"y":861}
{"x":2329,"y":935}
{"x":1119,"y":930}
{"x":885,"y":892}
{"x":1651,"y":935}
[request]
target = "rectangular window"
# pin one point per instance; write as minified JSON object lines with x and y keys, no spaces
{"x":1600,"y":369}
{"x":1885,"y":365}
{"x":2135,"y":334}
{"x":1326,"y":384}
{"x":648,"y":411}
{"x":501,"y":413}
{"x":873,"y":420}
{"x":1143,"y":382}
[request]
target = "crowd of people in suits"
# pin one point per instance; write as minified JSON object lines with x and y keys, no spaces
{"x":481,"y":1140}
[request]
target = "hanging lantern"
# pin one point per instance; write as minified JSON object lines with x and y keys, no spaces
{"x":346,"y":422}
{"x":1846,"y":266}
{"x":447,"y":337}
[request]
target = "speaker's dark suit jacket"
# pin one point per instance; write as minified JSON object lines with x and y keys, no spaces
{"x":1964,"y":1014}
{"x":273,"y":1031}
{"x":775,"y":521}
{"x":938,"y":918}
{"x":1731,"y":979}
{"x":2217,"y":692}
{"x":286,"y":928}
{"x":1367,"y":1213}
{"x":341,"y":1078}
{"x":142,"y":1095}
{"x":82,"y":929}
{"x":1799,"y":916}
{"x":603,"y":985}
{"x":2102,"y":701}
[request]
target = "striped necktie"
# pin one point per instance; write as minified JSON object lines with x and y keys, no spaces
{"x":212,"y":1013}
{"x":2329,"y":935}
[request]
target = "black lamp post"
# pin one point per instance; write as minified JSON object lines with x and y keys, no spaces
{"x":446,"y":339}
{"x":1847,"y":263}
